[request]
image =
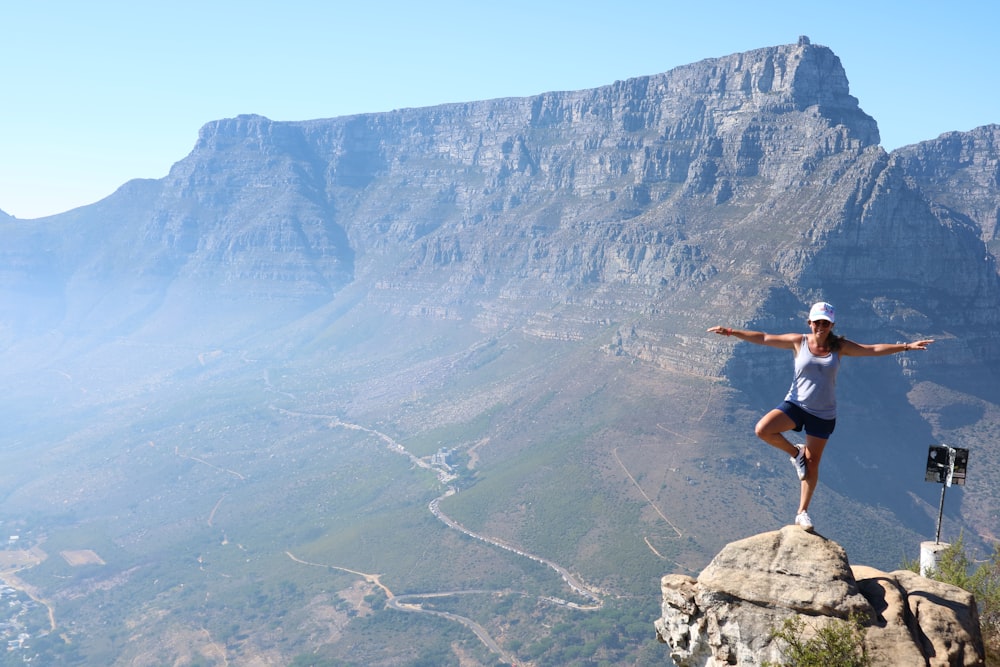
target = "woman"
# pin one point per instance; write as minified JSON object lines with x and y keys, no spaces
{"x":811,"y":402}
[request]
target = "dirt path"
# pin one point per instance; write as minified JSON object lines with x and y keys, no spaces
{"x":370,"y":578}
{"x":648,"y":499}
{"x":395,"y":602}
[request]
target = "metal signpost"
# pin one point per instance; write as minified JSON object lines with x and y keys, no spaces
{"x":945,"y":465}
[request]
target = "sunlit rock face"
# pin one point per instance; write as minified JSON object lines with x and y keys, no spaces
{"x":745,"y":184}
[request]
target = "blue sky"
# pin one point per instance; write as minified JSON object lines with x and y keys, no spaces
{"x":97,"y":93}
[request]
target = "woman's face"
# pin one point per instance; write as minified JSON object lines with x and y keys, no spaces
{"x":821,"y":327}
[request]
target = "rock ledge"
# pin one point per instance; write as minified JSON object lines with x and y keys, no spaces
{"x":725,"y":616}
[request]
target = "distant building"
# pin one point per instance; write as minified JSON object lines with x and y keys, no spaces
{"x":441,"y":458}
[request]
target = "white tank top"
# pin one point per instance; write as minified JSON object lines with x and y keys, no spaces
{"x":814,"y":386}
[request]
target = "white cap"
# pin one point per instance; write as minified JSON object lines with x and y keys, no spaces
{"x":821,"y":311}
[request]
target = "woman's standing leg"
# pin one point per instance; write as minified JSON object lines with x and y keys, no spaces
{"x":814,"y":452}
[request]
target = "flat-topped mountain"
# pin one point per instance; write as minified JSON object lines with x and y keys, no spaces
{"x":308,"y":331}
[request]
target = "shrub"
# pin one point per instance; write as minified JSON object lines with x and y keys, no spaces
{"x":837,"y":644}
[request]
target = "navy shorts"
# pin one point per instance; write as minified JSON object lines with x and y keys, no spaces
{"x":814,"y":426}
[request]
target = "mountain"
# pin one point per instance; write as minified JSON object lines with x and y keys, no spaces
{"x":246,"y":400}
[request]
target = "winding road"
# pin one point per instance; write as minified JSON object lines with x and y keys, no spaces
{"x":445,"y":476}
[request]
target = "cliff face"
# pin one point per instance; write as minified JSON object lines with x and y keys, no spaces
{"x":740,"y":184}
{"x":727,"y":614}
{"x":959,"y":172}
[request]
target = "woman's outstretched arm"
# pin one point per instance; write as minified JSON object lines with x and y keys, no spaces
{"x":785,"y":341}
{"x":851,"y":349}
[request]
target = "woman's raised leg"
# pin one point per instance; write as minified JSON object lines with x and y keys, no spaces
{"x":771,"y":427}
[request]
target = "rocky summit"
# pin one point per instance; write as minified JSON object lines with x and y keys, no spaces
{"x":327,"y":364}
{"x":728,"y":614}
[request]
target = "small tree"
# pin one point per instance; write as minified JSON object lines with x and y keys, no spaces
{"x":987,"y":592}
{"x":836,"y":644}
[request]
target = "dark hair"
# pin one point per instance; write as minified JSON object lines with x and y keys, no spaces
{"x":834,"y":342}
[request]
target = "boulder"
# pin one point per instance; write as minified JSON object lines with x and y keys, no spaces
{"x":727,"y":615}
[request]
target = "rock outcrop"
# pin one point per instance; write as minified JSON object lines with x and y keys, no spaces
{"x":726,"y":615}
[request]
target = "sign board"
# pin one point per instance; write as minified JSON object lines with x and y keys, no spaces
{"x":946,"y":465}
{"x":937,"y":464}
{"x":958,"y":468}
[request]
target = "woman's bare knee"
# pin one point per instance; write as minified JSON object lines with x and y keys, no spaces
{"x":762,"y":431}
{"x":773,"y":423}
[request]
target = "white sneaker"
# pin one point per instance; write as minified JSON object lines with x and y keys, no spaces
{"x":799,"y":461}
{"x":802,"y":520}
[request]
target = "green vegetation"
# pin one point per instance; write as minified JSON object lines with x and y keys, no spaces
{"x":222,"y":487}
{"x":834,"y":644}
{"x":620,"y":633}
{"x":450,"y":435}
